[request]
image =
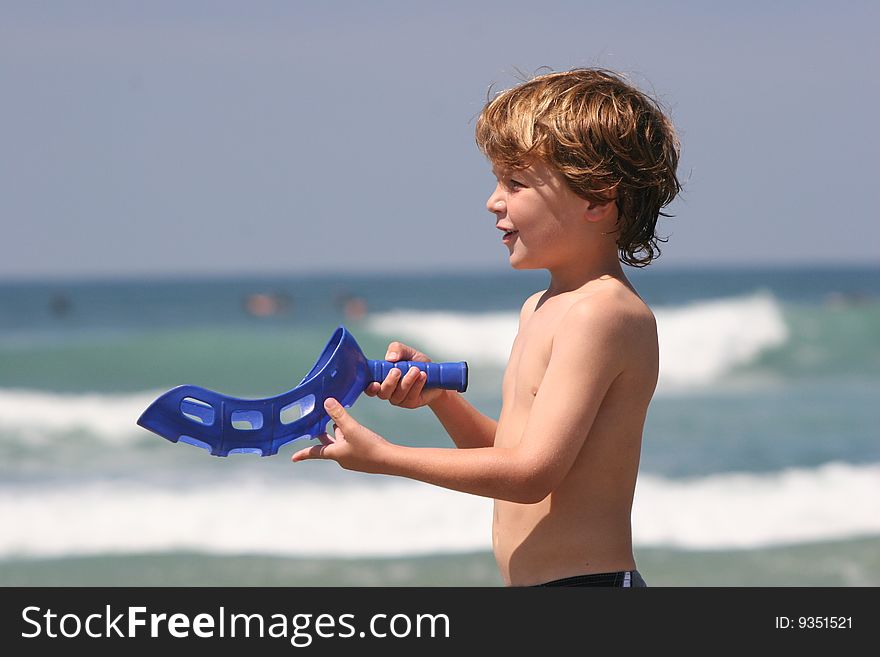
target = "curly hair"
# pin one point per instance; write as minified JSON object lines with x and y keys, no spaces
{"x":607,"y":139}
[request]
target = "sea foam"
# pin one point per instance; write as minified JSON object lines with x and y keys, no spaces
{"x":366,"y":516}
{"x":699,"y":342}
{"x":41,"y":417}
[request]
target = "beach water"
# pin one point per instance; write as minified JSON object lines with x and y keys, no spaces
{"x":760,"y":463}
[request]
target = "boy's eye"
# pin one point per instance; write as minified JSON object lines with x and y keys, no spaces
{"x":514,"y":184}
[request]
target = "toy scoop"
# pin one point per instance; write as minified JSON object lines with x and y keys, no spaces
{"x":226,"y":425}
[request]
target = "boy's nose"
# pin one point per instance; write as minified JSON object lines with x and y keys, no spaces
{"x":495,"y":203}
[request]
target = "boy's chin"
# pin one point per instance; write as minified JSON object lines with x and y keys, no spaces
{"x":523,"y":259}
{"x":519,"y":263}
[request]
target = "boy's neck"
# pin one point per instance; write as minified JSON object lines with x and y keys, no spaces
{"x":577,"y":275}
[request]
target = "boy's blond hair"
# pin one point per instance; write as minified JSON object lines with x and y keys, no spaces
{"x":607,"y":139}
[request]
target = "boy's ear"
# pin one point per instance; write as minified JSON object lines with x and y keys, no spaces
{"x":601,"y":211}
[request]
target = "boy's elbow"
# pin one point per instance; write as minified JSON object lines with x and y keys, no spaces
{"x":533,"y":486}
{"x":530,"y":495}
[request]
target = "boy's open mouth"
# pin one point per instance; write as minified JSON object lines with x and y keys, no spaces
{"x":508,"y":234}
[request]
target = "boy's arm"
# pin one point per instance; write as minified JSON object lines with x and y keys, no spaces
{"x":467,"y":427}
{"x":586,"y":357}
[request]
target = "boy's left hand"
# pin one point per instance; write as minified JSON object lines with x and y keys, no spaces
{"x":354,"y":447}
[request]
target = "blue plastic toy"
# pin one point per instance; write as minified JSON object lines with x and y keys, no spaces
{"x":226,"y":425}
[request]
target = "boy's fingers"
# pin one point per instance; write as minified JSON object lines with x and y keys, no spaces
{"x":388,"y":386}
{"x":338,"y":414}
{"x":372,"y":389}
{"x":394,"y":350}
{"x":399,"y":351}
{"x":415,"y":391}
{"x":406,"y":384}
{"x":313,"y":452}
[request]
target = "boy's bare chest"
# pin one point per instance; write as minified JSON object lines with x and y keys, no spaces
{"x":529,"y":358}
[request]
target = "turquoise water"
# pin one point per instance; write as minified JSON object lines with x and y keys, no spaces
{"x":836,"y":563}
{"x":761,"y":445}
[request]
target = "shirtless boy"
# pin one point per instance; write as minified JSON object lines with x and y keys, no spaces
{"x":584,"y":164}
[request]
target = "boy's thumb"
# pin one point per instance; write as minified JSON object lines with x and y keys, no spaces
{"x":337,"y":412}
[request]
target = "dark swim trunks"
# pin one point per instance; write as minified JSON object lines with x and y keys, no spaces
{"x":624,"y":579}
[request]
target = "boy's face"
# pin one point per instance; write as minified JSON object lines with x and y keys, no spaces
{"x":542,"y":220}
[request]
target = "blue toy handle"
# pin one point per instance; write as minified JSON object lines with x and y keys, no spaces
{"x":448,"y":376}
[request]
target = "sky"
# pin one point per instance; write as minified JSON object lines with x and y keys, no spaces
{"x":212,"y":138}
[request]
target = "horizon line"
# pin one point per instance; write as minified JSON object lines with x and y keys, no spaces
{"x":206,"y":275}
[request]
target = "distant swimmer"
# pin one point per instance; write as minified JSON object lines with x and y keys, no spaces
{"x":352,"y":306}
{"x":355,"y":308}
{"x":263,"y":304}
{"x":59,"y":305}
{"x":847,"y":299}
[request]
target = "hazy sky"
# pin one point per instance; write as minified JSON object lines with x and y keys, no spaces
{"x":273,"y":137}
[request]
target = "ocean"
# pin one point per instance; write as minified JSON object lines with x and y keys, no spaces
{"x":760,"y":462}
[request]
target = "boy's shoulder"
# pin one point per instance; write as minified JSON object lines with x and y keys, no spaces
{"x":612,"y":314}
{"x":609,"y":332}
{"x":608,"y":304}
{"x":613,"y":302}
{"x":616,"y":308}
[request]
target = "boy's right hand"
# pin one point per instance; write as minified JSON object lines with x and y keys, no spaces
{"x":404,"y":390}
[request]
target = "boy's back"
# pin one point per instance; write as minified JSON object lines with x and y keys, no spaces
{"x":583,"y":525}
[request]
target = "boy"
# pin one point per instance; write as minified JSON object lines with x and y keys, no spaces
{"x":584,"y":164}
